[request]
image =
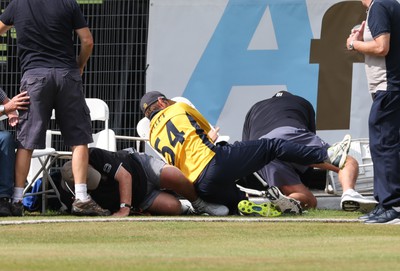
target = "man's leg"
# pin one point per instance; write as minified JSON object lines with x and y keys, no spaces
{"x":165,"y":204}
{"x":173,"y":179}
{"x":22,"y":165}
{"x":83,"y":204}
{"x":80,"y":163}
{"x":7,"y":162}
{"x":300,"y":193}
{"x":348,"y":175}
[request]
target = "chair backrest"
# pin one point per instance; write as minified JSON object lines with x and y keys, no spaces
{"x":143,"y":128}
{"x":98,"y":110}
{"x":104,"y":139}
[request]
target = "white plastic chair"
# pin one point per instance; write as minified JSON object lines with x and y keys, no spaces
{"x":44,"y":159}
{"x":105,"y":139}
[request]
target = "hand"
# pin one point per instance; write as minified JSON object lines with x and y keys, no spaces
{"x":122,"y":212}
{"x":13,"y":118}
{"x":19,"y":102}
{"x":213,"y":133}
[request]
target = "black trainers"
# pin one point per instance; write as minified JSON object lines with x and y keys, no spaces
{"x":284,"y":204}
{"x":88,"y":208}
{"x":5,"y":207}
{"x":377,"y":211}
{"x":389,"y":216}
{"x":17,"y":208}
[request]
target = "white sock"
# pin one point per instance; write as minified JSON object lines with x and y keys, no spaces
{"x":81,"y":192}
{"x":18,"y":194}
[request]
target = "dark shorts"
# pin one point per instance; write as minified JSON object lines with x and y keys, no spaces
{"x":279,"y":173}
{"x":59,"y":89}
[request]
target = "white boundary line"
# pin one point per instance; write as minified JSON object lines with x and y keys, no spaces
{"x":178,"y":219}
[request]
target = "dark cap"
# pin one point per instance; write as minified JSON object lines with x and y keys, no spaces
{"x":149,"y":98}
{"x":282,"y":93}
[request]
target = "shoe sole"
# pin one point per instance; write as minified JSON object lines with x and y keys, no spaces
{"x":393,"y":222}
{"x":351,"y":206}
{"x":81,"y":212}
{"x":390,"y":222}
{"x":284,"y":204}
{"x":248,"y":208}
{"x":346,"y":142}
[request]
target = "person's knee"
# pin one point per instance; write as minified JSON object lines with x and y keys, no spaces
{"x":302,"y":194}
{"x":312,"y":203}
{"x":6,"y":140}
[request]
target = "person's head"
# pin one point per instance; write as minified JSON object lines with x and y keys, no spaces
{"x":282,"y":93}
{"x":93,"y":176}
{"x":153,"y":101}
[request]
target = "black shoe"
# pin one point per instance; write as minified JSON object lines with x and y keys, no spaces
{"x":377,"y":211}
{"x":17,"y":208}
{"x":5,"y":208}
{"x":390,"y":216}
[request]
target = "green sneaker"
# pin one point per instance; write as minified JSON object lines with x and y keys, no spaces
{"x":249,"y":208}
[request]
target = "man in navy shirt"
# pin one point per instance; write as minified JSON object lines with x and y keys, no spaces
{"x":52,"y":77}
{"x":378,"y":39}
{"x":292,"y":117}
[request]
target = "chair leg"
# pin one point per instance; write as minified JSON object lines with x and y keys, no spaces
{"x":47,"y":180}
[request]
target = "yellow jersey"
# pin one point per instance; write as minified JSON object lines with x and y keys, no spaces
{"x":179,"y":133}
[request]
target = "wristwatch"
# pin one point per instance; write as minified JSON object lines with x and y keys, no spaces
{"x":123,"y":205}
{"x":351,"y":45}
{"x":2,"y":109}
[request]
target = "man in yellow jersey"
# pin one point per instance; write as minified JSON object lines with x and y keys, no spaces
{"x":184,"y":137}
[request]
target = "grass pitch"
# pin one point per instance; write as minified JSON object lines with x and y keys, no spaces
{"x":319,"y":240}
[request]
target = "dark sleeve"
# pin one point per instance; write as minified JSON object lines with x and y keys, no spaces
{"x":379,"y":19}
{"x":311,"y":117}
{"x":78,"y":18}
{"x":7,"y":17}
{"x":3,"y":96}
{"x":246,"y":127}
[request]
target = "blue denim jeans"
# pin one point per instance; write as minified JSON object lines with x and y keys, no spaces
{"x":7,"y":161}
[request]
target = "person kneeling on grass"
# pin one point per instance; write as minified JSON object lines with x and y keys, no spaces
{"x":140,"y":178}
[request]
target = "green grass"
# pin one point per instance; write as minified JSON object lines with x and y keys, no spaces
{"x":200,"y":245}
